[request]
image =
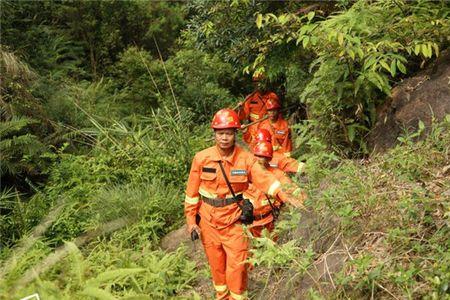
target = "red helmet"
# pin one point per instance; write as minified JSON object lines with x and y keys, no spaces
{"x":225,"y":118}
{"x":263,"y":149}
{"x":273,"y":102}
{"x":263,"y":135}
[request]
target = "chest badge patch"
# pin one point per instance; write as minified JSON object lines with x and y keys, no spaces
{"x":273,"y":165}
{"x":238,"y":172}
{"x":280,"y":132}
{"x":208,"y":170}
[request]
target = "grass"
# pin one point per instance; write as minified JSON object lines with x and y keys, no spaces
{"x":387,"y":218}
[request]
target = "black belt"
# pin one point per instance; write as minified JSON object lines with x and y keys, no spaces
{"x":258,"y":217}
{"x":220,"y":202}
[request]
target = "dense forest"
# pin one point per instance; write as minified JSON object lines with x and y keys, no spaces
{"x":104,"y":104}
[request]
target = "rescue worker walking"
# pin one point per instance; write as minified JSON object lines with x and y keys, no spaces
{"x":278,"y":127}
{"x":266,"y":207}
{"x":280,"y":161}
{"x":218,"y":177}
{"x":254,"y":107}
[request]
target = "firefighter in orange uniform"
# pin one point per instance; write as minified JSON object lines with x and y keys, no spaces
{"x":253,"y":108}
{"x":266,"y":207}
{"x":280,"y":161}
{"x":209,"y":197}
{"x":278,"y":127}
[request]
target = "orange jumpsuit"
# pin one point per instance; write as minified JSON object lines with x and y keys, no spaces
{"x":253,"y":109}
{"x":281,"y":135}
{"x":224,"y":241}
{"x":262,"y":209}
{"x":286,"y":164}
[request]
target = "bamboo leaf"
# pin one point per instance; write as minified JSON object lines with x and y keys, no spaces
{"x":385,"y":65}
{"x":417,"y":49}
{"x":351,"y":133}
{"x":111,"y":275}
{"x":305,"y":42}
{"x":424,"y":49}
{"x":311,"y":15}
{"x":340,"y":39}
{"x":436,"y":49}
{"x":401,"y":67}
{"x":360,"y":53}
{"x":351,"y":53}
{"x":393,"y":68}
{"x":369,"y":62}
{"x":259,"y":19}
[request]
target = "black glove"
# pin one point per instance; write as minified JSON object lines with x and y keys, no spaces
{"x":247,"y":212}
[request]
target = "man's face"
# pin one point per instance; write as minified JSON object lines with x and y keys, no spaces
{"x":273,"y":114}
{"x":262,"y":160}
{"x":258,"y":85}
{"x":225,"y":138}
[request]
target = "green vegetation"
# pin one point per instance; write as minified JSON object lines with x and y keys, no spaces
{"x":104,"y":103}
{"x":386,"y":220}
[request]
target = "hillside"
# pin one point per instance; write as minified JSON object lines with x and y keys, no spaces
{"x":104,"y":104}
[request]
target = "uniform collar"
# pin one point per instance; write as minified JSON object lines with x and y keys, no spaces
{"x":230,"y":159}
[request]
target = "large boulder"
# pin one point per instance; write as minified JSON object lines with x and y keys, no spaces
{"x":422,"y":97}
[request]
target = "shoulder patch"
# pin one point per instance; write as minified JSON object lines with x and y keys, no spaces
{"x":238,"y":172}
{"x":208,"y":170}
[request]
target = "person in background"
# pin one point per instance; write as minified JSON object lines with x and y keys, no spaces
{"x":280,"y":161}
{"x":266,"y":207}
{"x":278,"y":128}
{"x":254,"y":107}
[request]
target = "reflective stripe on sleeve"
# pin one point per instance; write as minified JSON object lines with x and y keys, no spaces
{"x":300,"y":168}
{"x":191,"y":200}
{"x":287,"y":154}
{"x":273,"y":188}
{"x":254,"y":116}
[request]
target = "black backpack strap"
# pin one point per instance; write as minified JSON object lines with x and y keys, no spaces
{"x":228,"y":182}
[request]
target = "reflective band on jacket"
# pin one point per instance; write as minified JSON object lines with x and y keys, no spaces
{"x":287,"y":154}
{"x":275,"y":148}
{"x":254,"y":116}
{"x":191,"y":200}
{"x":300,"y":167}
{"x":206,"y":194}
{"x":273,"y":188}
{"x":221,"y":288}
{"x":210,"y":195}
{"x":237,"y":296}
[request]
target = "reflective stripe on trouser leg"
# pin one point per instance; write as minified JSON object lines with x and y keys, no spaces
{"x":215,"y":254}
{"x":221,"y":292}
{"x":238,"y":296}
{"x":235,"y":243}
